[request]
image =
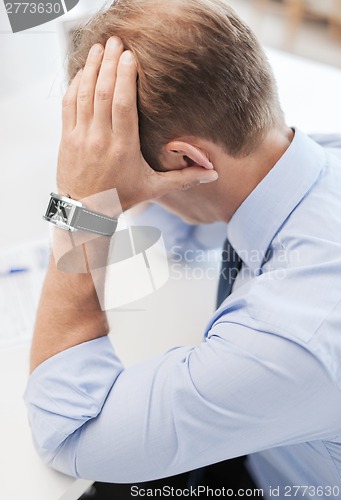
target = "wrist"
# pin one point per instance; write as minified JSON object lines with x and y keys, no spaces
{"x":89,"y":224}
{"x":104,"y":202}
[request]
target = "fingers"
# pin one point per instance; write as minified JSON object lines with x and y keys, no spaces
{"x":69,"y":109}
{"x":106,"y":82}
{"x":124,"y":110}
{"x":182,"y":180}
{"x":87,"y":85}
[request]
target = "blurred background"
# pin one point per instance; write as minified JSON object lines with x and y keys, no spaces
{"x":309,"y":28}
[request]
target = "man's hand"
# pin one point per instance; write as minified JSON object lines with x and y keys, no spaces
{"x":100,"y":150}
{"x":100,"y":147}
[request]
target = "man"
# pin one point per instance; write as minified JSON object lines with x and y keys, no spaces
{"x":265,"y":380}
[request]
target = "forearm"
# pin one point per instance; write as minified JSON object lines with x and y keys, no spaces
{"x":69,"y":311}
{"x":99,"y":153}
{"x":93,"y":419}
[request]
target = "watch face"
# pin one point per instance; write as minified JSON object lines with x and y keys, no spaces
{"x":59,"y":211}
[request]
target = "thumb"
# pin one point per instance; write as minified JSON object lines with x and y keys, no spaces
{"x":182,"y":180}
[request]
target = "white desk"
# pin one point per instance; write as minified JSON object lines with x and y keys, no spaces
{"x":22,"y":474}
{"x":29,"y":133}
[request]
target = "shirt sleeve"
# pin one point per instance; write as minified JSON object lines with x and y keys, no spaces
{"x":240,"y":391}
{"x":180,"y":237}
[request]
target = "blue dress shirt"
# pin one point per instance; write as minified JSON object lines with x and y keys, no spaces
{"x":264,"y":382}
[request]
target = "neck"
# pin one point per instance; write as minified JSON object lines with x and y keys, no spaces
{"x":238,"y":177}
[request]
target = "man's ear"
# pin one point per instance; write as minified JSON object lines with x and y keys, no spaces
{"x":177,"y":155}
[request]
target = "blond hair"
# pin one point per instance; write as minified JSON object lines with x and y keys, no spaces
{"x":201,"y":72}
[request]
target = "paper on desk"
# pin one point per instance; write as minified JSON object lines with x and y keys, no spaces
{"x":20,"y":291}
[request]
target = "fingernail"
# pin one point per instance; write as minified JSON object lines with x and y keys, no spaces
{"x":209,"y":177}
{"x":97,"y":49}
{"x":114,"y":42}
{"x":127,"y":57}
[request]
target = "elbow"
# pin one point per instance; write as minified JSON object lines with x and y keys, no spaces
{"x":56,"y":448}
{"x":59,"y":453}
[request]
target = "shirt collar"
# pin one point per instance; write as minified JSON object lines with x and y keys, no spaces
{"x":258,"y":219}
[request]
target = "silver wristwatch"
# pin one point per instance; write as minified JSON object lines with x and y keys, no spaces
{"x":71,"y":215}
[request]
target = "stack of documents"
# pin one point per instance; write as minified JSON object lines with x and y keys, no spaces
{"x":22,"y":271}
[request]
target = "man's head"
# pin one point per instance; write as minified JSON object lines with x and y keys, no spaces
{"x":206,"y":96}
{"x":201,"y":72}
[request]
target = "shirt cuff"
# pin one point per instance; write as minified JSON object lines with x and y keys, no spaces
{"x":69,"y":389}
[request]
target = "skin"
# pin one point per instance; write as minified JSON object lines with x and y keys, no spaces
{"x":100,"y":150}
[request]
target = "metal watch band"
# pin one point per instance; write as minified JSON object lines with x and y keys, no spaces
{"x":94,"y":222}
